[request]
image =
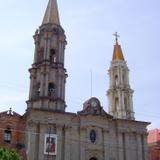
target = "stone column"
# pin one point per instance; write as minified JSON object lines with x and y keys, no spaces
{"x":46,"y":83}
{"x":36,"y":41}
{"x":106,"y":144}
{"x":31,"y":85}
{"x":110,"y":100}
{"x":59,"y":142}
{"x":59,"y":83}
{"x":48,"y":48}
{"x":127,"y":77}
{"x":120,"y":113}
{"x":45,"y":45}
{"x":60,"y":52}
{"x":68,"y":139}
{"x":112,"y":81}
{"x":63,"y":87}
{"x":131,"y":101}
{"x":121,"y":77}
{"x":42,"y":75}
{"x":123,"y":105}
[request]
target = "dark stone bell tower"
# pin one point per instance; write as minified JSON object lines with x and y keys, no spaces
{"x":48,"y":75}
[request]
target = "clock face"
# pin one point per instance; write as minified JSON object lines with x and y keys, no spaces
{"x":94,"y":103}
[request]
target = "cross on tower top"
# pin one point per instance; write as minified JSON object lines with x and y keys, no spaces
{"x":116,"y":36}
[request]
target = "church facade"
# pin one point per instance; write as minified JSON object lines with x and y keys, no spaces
{"x":89,"y":134}
{"x":92,"y":133}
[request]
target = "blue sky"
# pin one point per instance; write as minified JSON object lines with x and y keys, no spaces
{"x":89,"y":26}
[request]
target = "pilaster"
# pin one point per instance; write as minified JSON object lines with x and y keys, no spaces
{"x":106,"y":144}
{"x":31,"y":151}
{"x":120,"y":146}
{"x":68,"y":142}
{"x":139,"y":146}
{"x":82,"y":143}
{"x":127,"y":146}
{"x":146,"y":153}
{"x":42,"y":133}
{"x":59,"y":142}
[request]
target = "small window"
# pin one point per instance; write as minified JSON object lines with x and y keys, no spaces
{"x":7,"y":135}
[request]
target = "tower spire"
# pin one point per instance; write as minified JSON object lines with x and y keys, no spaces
{"x":51,"y":14}
{"x":117,"y":52}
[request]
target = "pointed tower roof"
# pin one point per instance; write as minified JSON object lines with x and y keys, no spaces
{"x":117,"y":53}
{"x":51,"y":14}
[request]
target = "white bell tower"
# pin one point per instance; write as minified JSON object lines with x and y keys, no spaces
{"x":119,"y":93}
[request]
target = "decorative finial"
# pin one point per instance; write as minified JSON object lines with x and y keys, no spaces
{"x":10,"y":111}
{"x":116,"y":36}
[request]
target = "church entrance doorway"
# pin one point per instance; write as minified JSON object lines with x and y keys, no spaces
{"x":93,"y":158}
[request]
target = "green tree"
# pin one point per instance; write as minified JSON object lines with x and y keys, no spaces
{"x":8,"y":154}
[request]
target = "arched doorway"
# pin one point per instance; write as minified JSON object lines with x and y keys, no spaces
{"x":93,"y":158}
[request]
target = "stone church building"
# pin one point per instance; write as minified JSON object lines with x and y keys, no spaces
{"x":89,"y":134}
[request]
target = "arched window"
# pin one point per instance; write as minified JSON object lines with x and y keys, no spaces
{"x":51,"y":89}
{"x":7,"y":135}
{"x":116,"y":80}
{"x":116,"y":104}
{"x":52,"y":56}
